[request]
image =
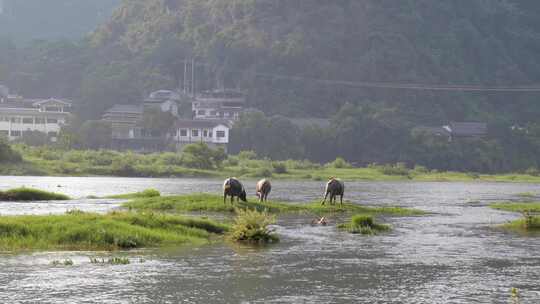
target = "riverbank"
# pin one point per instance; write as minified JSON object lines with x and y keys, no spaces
{"x":51,"y":162}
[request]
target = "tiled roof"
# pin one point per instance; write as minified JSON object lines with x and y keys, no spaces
{"x":135,"y":109}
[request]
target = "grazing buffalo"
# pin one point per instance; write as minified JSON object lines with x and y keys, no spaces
{"x":334,"y":187}
{"x":263,"y":188}
{"x":233,"y":187}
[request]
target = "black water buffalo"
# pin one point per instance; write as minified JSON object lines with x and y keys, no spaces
{"x":233,"y":187}
{"x":334,"y":187}
{"x":262,"y":189}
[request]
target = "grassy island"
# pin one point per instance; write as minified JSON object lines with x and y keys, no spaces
{"x":28,"y":194}
{"x":214,"y":203}
{"x":364,"y":224}
{"x":117,"y":230}
{"x":530,"y":222}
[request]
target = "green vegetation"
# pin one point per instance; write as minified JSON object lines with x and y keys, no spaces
{"x":28,"y":194}
{"x":517,"y":207}
{"x":251,"y":226}
{"x":527,"y":194}
{"x":364,"y":224}
{"x":59,"y":162}
{"x":117,"y":230}
{"x":111,"y":261}
{"x":66,"y":262}
{"x":144,"y":194}
{"x":214,"y":203}
{"x":528,"y":223}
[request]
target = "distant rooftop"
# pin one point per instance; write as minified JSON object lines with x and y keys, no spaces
{"x":121,"y":108}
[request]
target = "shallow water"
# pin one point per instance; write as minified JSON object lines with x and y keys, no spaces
{"x":453,"y":255}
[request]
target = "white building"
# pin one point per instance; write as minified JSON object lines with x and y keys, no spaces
{"x":18,"y":116}
{"x":219,"y":104}
{"x":214,"y":133}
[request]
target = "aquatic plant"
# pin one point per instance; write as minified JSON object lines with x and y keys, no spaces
{"x":116,"y":230}
{"x":517,"y":207}
{"x":66,"y":262}
{"x":364,"y":224}
{"x":29,"y":194}
{"x":252,"y":226}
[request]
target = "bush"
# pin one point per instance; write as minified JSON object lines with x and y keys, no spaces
{"x":397,"y":169}
{"x":279,"y":167}
{"x":339,"y":163}
{"x":420,"y":169}
{"x":7,"y":154}
{"x":532,"y":171}
{"x":246,"y":155}
{"x":251,"y":226}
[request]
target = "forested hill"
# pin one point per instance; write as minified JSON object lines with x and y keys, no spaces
{"x":251,"y":43}
{"x":25,"y":20}
{"x":313,"y":58}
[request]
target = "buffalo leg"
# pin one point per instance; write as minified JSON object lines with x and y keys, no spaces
{"x":224,"y":198}
{"x":325,"y":196}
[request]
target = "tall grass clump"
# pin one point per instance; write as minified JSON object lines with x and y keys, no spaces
{"x":364,"y":224}
{"x":339,"y":163}
{"x":116,"y":230}
{"x":251,"y":226}
{"x":28,"y":194}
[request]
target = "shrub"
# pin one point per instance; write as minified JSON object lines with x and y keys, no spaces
{"x":7,"y":154}
{"x":339,"y":163}
{"x":262,"y":172}
{"x":279,"y":167}
{"x":397,"y":169}
{"x":420,"y":169}
{"x":532,"y":171}
{"x":251,"y":226}
{"x":246,"y":155}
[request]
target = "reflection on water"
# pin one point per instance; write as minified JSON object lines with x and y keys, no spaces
{"x":450,"y":256}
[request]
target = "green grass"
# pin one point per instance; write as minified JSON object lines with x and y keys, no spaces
{"x":214,"y":203}
{"x":526,"y":224}
{"x":364,"y":224}
{"x":517,"y":207}
{"x":117,"y":230}
{"x":144,"y":194}
{"x":527,"y":194}
{"x":28,"y":194}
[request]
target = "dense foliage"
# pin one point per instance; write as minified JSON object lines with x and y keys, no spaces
{"x":309,"y":59}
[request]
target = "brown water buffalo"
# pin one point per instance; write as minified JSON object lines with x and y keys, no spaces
{"x":262,"y":189}
{"x":233,"y":187}
{"x":334,"y":187}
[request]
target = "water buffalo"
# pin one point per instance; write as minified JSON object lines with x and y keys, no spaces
{"x":263,"y":188}
{"x":233,"y":187}
{"x":334,"y":187}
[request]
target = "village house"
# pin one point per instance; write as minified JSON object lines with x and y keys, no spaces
{"x":218,"y":104}
{"x":214,"y":133}
{"x":124,"y":120}
{"x":165,"y":100}
{"x":19,"y":115}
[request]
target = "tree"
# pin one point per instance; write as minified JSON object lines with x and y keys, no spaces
{"x":96,"y":134}
{"x":201,"y":156}
{"x":7,"y":154}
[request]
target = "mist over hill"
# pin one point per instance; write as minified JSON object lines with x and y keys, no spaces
{"x":26,"y":20}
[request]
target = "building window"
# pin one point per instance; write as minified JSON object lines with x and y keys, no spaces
{"x":15,"y":120}
{"x":15,"y":133}
{"x":4,"y":118}
{"x":210,"y":134}
{"x":28,"y":120}
{"x":220,"y":134}
{"x":201,"y":112}
{"x":52,"y":120}
{"x":40,"y":120}
{"x":195,"y":133}
{"x":183,"y":132}
{"x":205,"y":133}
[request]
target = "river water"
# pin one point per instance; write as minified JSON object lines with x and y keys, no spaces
{"x":452,"y":255}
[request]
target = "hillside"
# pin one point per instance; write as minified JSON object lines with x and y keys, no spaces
{"x":323,"y":59}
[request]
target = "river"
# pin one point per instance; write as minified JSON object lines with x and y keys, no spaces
{"x":452,"y":255}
